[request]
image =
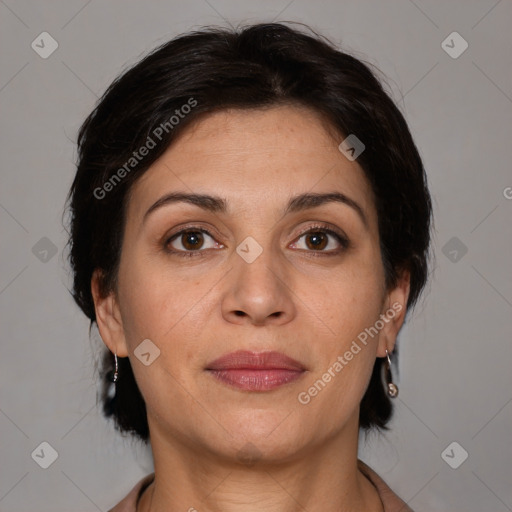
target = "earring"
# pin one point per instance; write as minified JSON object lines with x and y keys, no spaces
{"x":113,"y":378}
{"x":116,"y":370}
{"x":392,"y":387}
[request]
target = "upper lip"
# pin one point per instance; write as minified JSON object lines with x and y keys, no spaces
{"x":245,"y":359}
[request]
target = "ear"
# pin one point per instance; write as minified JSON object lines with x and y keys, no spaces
{"x":394,"y":311}
{"x":108,"y":317}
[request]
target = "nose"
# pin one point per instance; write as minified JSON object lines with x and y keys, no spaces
{"x":258,"y":293}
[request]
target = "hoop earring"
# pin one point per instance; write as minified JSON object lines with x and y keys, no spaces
{"x":116,"y":369}
{"x":392,"y":387}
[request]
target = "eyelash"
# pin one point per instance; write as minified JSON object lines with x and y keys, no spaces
{"x":343,"y":241}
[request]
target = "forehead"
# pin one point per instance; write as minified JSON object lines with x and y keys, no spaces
{"x":248,"y":155}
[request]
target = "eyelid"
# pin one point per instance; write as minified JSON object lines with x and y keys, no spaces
{"x":178,"y":230}
{"x":326,"y":226}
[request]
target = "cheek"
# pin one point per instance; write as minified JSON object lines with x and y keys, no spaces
{"x":345,"y":356}
{"x":152,"y":300}
{"x":349,"y":300}
{"x":169,"y":309}
{"x":348,"y":307}
{"x":329,"y":403}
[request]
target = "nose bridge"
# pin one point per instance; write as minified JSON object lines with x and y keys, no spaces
{"x":257,"y":262}
{"x":256,"y":251}
{"x":258,"y":283}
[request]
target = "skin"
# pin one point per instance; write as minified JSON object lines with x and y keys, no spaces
{"x":195,"y":309}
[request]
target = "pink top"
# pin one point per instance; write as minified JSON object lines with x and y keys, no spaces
{"x":390,"y":501}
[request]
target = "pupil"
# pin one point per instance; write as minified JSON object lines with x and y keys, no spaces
{"x":318,"y":240}
{"x":192,"y":240}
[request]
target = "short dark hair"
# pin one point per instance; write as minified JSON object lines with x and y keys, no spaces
{"x":255,"y":66}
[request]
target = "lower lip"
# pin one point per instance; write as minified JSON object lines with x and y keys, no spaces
{"x":256,"y":380}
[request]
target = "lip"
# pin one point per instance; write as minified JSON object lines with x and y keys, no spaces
{"x":255,"y":371}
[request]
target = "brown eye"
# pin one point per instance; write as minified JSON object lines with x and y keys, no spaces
{"x":321,"y":240}
{"x":316,"y":240}
{"x":190,"y":242}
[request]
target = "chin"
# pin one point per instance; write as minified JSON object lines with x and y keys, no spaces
{"x":262,"y":435}
{"x":258,"y":450}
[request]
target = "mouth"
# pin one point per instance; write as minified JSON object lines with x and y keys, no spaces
{"x":255,"y":371}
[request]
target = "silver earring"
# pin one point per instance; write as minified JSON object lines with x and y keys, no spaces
{"x":392,"y":387}
{"x":116,"y":370}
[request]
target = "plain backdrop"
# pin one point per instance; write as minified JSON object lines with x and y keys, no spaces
{"x":455,"y":379}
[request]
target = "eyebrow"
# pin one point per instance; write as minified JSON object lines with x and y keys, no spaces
{"x":216,"y":204}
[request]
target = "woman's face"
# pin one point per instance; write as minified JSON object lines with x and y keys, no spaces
{"x":247,"y":278}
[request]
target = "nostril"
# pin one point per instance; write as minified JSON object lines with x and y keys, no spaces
{"x":239,"y":313}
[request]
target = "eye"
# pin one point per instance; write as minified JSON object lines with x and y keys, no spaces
{"x":191,"y":240}
{"x":323,"y":240}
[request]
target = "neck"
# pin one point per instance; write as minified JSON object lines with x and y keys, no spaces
{"x":321,"y":478}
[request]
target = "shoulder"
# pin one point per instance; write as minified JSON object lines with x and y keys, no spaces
{"x":391,"y":501}
{"x":129,"y":502}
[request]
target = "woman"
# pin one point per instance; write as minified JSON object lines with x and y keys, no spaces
{"x":250,"y":225}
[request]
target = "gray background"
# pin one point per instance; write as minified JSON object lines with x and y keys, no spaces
{"x":455,"y":378}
